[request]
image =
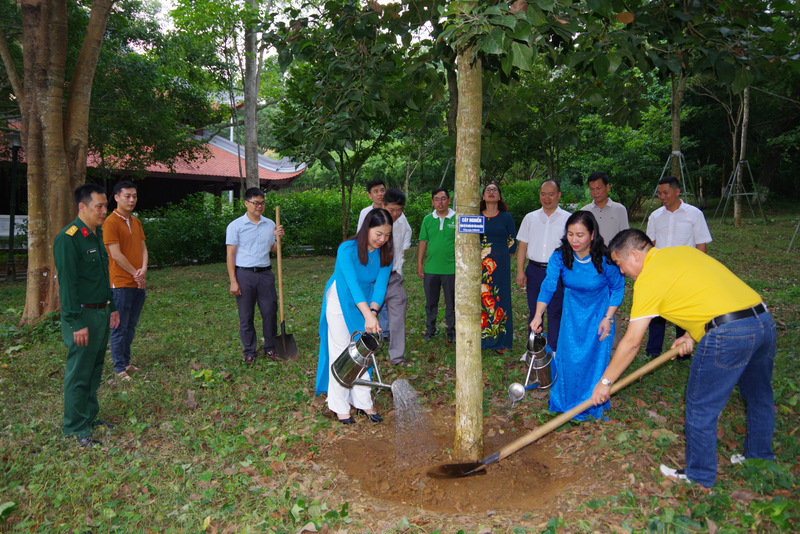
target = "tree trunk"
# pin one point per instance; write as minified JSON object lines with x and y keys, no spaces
{"x":737,"y":200}
{"x":252,"y":73}
{"x":469,"y":370}
{"x":55,"y":141}
{"x":678,"y":92}
{"x":452,"y":92}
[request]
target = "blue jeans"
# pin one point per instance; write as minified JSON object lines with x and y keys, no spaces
{"x":737,"y":353}
{"x":129,"y":302}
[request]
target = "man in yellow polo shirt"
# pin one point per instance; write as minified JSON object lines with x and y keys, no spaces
{"x":735,"y":339}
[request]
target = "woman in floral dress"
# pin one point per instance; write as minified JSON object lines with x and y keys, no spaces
{"x":497,"y":246}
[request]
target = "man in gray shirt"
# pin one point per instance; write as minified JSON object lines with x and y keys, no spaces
{"x":612,"y":217}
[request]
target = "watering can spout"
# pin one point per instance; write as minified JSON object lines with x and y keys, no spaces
{"x":371,"y":383}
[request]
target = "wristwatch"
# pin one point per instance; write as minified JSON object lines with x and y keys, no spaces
{"x":606,"y":382}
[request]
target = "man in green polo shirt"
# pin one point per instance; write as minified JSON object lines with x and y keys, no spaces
{"x":436,"y":263}
{"x":87,"y":310}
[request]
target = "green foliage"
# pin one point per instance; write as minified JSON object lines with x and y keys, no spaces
{"x":351,"y":84}
{"x":192,"y":231}
{"x":632,"y":158}
{"x":312,"y":219}
{"x":764,"y":476}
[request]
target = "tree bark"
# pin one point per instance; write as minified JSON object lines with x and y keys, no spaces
{"x":252,"y":74}
{"x":55,"y":141}
{"x":469,"y":370}
{"x":737,"y":200}
{"x":678,"y":92}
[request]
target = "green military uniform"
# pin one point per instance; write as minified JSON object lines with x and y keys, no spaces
{"x":86,"y":301}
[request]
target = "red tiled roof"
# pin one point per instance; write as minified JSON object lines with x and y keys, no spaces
{"x":223,"y":165}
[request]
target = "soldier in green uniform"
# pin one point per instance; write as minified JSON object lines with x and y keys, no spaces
{"x":87,"y":310}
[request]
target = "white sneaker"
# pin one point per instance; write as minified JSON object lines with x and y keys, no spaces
{"x":677,"y":475}
{"x":523,"y":358}
{"x":737,"y":459}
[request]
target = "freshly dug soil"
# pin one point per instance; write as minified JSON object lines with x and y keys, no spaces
{"x":564,"y":467}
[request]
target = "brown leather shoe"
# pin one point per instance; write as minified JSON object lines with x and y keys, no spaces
{"x":249,"y":360}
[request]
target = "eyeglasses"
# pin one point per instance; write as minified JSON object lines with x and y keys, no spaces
{"x":491,"y":190}
{"x":257,"y":203}
{"x":440,"y":199}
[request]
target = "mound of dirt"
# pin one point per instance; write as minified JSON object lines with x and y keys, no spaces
{"x":536,"y":478}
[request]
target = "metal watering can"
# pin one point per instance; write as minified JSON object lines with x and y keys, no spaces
{"x":357,"y":358}
{"x":539,"y":358}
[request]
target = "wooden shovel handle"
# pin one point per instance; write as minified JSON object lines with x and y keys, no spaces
{"x":280,"y":262}
{"x":551,"y":425}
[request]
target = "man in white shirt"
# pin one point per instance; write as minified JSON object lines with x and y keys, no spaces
{"x":539,"y":235}
{"x":375,"y":191}
{"x":674,"y":224}
{"x":612,"y":217}
{"x":395,"y":304}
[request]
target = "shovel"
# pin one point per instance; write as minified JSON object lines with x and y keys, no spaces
{"x":285,"y":345}
{"x":472,"y":468}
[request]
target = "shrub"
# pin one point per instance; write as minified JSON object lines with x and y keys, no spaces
{"x":191,"y":231}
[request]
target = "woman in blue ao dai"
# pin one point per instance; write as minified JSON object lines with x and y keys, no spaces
{"x":353,"y":297}
{"x":593,"y":289}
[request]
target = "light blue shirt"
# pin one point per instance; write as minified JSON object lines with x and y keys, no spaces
{"x":252,"y":241}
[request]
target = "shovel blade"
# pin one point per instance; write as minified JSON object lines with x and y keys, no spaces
{"x":458,"y":470}
{"x":285,"y":345}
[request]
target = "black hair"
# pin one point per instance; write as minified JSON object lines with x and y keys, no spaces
{"x":394,"y":196}
{"x":253,"y":192}
{"x":597,"y":175}
{"x":671,"y":181}
{"x":376,"y":217}
{"x":439,"y":190}
{"x":83,"y":193}
{"x":501,"y":204}
{"x":555,"y":182}
{"x":124,"y":184}
{"x":374,"y":183}
{"x":627,"y":240}
{"x":597,"y":247}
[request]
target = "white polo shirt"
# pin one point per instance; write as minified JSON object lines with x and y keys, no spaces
{"x":686,"y":226}
{"x":543,"y":233}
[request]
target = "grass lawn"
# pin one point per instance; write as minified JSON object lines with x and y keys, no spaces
{"x":203,"y":443}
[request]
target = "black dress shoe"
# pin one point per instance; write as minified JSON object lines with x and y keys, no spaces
{"x":273,"y":355}
{"x":89,"y":442}
{"x":248,"y":360}
{"x":348,"y":421}
{"x":374,"y":417}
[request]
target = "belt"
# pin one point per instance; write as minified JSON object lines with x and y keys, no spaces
{"x":95,"y":306}
{"x":538,"y":264}
{"x":256,"y":269}
{"x":735,"y":316}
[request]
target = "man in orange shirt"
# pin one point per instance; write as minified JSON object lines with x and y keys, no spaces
{"x":124,"y":239}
